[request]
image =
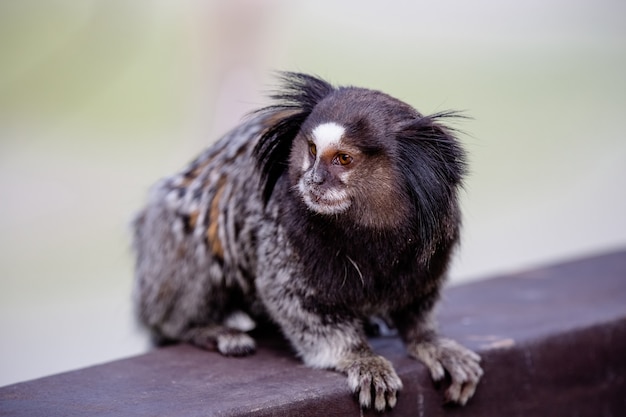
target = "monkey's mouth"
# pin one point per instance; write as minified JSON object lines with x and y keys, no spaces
{"x":326,"y":202}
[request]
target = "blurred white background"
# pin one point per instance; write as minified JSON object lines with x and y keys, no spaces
{"x":100,"y":98}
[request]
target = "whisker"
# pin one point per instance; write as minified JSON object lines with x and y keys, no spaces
{"x":357,"y":269}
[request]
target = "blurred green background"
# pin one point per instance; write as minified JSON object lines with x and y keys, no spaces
{"x":100,"y":98}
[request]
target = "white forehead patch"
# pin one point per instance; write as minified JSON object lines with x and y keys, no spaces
{"x":327,"y":134}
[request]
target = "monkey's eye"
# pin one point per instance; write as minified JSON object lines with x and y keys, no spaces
{"x":312,"y":149}
{"x":343,"y":158}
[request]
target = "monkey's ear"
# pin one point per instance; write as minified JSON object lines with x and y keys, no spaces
{"x":294,"y":102}
{"x":433,"y":164}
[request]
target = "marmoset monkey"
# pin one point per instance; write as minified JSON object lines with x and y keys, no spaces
{"x":329,"y":206}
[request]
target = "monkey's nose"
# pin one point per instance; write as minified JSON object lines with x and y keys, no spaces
{"x":317,"y":178}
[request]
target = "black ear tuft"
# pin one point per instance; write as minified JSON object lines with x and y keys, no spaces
{"x":300,"y":91}
{"x":433,"y":164}
{"x":294,"y":102}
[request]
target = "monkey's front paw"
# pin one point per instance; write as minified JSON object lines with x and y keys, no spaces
{"x":463,"y":366}
{"x":235,"y":343}
{"x":374,"y":376}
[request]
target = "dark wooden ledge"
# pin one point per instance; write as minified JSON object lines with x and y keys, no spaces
{"x":553,"y":342}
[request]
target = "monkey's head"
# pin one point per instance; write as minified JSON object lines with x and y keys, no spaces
{"x":360,"y":155}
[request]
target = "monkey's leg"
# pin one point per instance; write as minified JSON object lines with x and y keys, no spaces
{"x":338,"y":344}
{"x":441,"y":356}
{"x":175,"y":310}
{"x":343,"y":347}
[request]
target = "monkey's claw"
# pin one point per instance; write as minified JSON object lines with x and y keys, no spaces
{"x":235,"y":343}
{"x":374,"y":377}
{"x":461,"y":364}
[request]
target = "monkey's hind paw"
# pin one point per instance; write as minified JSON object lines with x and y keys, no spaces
{"x":462,"y":365}
{"x":235,"y":343}
{"x":374,"y":376}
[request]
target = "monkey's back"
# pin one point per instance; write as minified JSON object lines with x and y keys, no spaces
{"x":195,"y":240}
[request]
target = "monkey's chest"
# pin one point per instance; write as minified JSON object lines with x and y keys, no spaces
{"x":364,"y":281}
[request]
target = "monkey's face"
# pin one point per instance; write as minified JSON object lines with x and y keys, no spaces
{"x":360,"y":156}
{"x":342,"y":169}
{"x":324,"y":162}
